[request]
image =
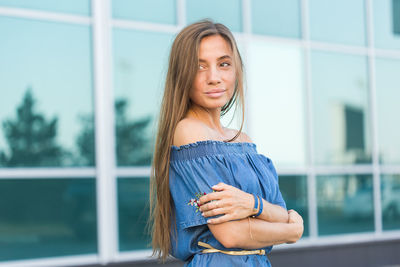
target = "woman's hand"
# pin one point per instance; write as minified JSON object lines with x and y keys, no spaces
{"x":297,"y":221}
{"x":228,"y":200}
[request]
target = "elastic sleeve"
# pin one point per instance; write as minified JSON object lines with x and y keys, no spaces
{"x":188,"y":181}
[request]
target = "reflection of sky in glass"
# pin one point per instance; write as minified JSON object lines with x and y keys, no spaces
{"x":338,"y":81}
{"x":383,"y":25}
{"x":55,"y":60}
{"x":280,"y":18}
{"x":165,"y":11}
{"x":390,"y":196}
{"x":228,"y":12}
{"x":140,"y":66}
{"x":79,"y":7}
{"x":345,"y":204}
{"x":339,"y":21}
{"x":388,"y":96}
{"x":47,"y":218}
{"x":133,"y":195}
{"x":275,"y":81}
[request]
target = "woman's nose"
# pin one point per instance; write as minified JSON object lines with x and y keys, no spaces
{"x":214,"y":76}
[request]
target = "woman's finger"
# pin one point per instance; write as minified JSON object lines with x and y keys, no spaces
{"x":221,"y":186}
{"x":212,"y":205}
{"x":210,"y":196}
{"x":214,"y":212}
{"x":222,"y":219}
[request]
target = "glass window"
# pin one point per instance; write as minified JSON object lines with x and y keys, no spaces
{"x":227,"y":12}
{"x":294,"y":192}
{"x":341,"y":110}
{"x":133,"y":213}
{"x":158,"y":11}
{"x":44,"y":68}
{"x":345,"y":204}
{"x":279,"y":18}
{"x":390,"y":192}
{"x":329,"y":18}
{"x":396,"y":16}
{"x":275,"y":117}
{"x":388,"y":95}
{"x":47,"y":218}
{"x":140,"y":64}
{"x":386,"y":23}
{"x":78,"y":7}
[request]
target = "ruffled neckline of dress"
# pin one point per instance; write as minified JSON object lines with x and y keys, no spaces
{"x":210,"y":148}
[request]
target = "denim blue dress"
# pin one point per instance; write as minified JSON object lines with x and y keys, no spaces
{"x":194,"y":169}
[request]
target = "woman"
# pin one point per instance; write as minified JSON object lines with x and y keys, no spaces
{"x":214,"y":199}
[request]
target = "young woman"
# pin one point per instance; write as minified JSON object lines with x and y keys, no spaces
{"x":214,"y":200}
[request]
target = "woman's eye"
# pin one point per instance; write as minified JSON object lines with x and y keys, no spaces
{"x":201,"y":67}
{"x":225,"y":64}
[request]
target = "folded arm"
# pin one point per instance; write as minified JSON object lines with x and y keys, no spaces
{"x":235,"y":204}
{"x":252,"y":233}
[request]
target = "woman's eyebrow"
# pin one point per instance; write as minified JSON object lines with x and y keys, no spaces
{"x":220,"y":58}
{"x":224,"y":57}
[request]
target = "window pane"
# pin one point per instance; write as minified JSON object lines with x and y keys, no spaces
{"x":387,"y":23}
{"x":329,"y":18}
{"x":275,"y":117}
{"x":388,"y":95}
{"x":158,"y":11}
{"x":340,"y":108}
{"x":133,"y":213}
{"x":47,"y":116}
{"x":280,"y":18}
{"x":78,"y":7}
{"x":345,"y":204}
{"x":47,"y":218}
{"x":140,"y":63}
{"x":294,"y":192}
{"x":391,"y":201}
{"x":227,"y":12}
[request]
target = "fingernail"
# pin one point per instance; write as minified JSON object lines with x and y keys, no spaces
{"x":202,"y":214}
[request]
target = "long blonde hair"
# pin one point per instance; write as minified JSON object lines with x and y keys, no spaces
{"x":182,"y":69}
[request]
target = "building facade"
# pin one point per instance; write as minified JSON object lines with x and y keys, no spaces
{"x":81,"y":83}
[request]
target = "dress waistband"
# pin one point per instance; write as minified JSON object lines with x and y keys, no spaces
{"x":210,"y":249}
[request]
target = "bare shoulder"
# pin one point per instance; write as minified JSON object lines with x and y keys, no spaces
{"x":189,"y":131}
{"x":243,"y":137}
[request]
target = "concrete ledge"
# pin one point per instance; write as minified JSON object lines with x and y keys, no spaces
{"x":372,"y":254}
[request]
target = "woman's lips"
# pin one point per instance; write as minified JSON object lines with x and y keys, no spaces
{"x":215,"y":93}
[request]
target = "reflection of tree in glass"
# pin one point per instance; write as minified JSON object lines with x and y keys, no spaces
{"x":85,"y":142}
{"x":133,"y":146}
{"x":31,"y":138}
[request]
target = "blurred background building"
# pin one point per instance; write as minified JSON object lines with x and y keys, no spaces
{"x":81,"y":83}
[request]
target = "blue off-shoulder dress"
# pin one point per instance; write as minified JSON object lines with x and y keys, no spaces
{"x":194,"y":169}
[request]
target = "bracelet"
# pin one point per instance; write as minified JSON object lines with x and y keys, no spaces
{"x":251,"y":235}
{"x":256,"y":204}
{"x":261,"y":207}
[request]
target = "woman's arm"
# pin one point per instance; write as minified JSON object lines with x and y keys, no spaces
{"x":236,"y":204}
{"x":253,"y":233}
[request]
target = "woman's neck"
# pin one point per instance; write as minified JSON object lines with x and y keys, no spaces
{"x":210,"y":117}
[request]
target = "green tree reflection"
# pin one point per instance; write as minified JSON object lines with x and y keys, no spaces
{"x":31,"y":137}
{"x":132,"y":143}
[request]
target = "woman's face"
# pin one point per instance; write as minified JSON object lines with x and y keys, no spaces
{"x":214,"y":83}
